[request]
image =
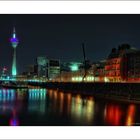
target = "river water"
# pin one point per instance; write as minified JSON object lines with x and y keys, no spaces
{"x":45,"y":107}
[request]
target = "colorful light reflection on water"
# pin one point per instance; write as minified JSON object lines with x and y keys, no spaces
{"x":113,"y":114}
{"x":14,"y":122}
{"x":131,"y":115}
{"x":39,"y":106}
{"x":37,"y":100}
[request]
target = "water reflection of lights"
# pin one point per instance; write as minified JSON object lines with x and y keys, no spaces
{"x":90,"y":107}
{"x":21,"y":93}
{"x":35,"y":94}
{"x":78,"y":105}
{"x":7,"y":95}
{"x":82,"y":109}
{"x":61,"y":101}
{"x":68,"y":102}
{"x":61,"y":95}
{"x":69,"y":97}
{"x":112,"y":114}
{"x":130,"y":115}
{"x":50,"y":92}
{"x":78,"y":99}
{"x":55,"y":94}
{"x":37,"y":100}
{"x":14,"y":122}
{"x":9,"y":102}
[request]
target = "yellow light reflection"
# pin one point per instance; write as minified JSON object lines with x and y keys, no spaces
{"x":50,"y":93}
{"x":90,"y":105}
{"x":130,"y":115}
{"x":69,"y":100}
{"x":61,"y":101}
{"x":90,"y":109}
{"x":55,"y":100}
{"x":55,"y":95}
{"x":82,"y":109}
{"x":78,"y":99}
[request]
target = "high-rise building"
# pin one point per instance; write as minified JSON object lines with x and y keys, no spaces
{"x":49,"y":68}
{"x":53,"y":69}
{"x":14,"y":41}
{"x":42,"y":64}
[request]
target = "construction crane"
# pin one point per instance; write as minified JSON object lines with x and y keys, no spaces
{"x":84,"y":56}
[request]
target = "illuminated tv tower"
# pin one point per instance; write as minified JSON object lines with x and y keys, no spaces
{"x":14,"y":41}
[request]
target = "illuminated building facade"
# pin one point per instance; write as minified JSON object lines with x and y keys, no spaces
{"x":113,"y":69}
{"x":117,"y":63}
{"x":95,"y":72}
{"x":132,"y":66}
{"x":53,"y":69}
{"x":71,"y":71}
{"x":42,"y":66}
{"x":48,"y":68}
{"x":122,"y":65}
{"x":98,"y":70}
{"x":14,"y":41}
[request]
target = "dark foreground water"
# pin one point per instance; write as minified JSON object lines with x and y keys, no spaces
{"x":42,"y":107}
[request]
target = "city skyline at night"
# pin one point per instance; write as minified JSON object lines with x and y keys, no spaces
{"x":68,"y":68}
{"x":73,"y":65}
{"x":61,"y":36}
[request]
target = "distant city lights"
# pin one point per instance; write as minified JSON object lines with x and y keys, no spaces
{"x":80,"y":78}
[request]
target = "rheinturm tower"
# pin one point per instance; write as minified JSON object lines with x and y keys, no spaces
{"x":14,"y":41}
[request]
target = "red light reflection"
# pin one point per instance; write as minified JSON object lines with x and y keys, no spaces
{"x":113,"y":115}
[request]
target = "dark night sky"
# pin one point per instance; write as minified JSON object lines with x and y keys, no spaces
{"x":61,"y":36}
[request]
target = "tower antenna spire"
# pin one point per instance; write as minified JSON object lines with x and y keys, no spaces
{"x":14,"y":32}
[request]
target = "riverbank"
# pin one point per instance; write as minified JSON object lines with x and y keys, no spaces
{"x":123,"y":92}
